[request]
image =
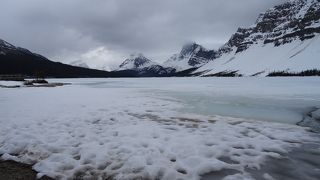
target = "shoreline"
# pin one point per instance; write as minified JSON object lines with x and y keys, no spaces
{"x":13,"y":170}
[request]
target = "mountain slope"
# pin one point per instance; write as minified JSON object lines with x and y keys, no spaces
{"x":191,"y":56}
{"x":144,"y":67}
{"x":79,"y":63}
{"x":284,"y":38}
{"x":135,"y":62}
{"x":16,"y":60}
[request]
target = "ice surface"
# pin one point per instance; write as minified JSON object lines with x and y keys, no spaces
{"x":157,"y":128}
{"x":11,"y":83}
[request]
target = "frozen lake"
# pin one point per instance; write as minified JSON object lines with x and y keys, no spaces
{"x":165,"y":128}
{"x":282,"y":100}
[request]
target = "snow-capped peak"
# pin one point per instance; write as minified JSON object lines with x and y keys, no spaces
{"x":189,"y":49}
{"x":5,"y":44}
{"x":136,"y":61}
{"x":191,"y":55}
{"x":144,"y":67}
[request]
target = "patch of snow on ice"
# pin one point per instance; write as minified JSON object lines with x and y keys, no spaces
{"x":11,"y":83}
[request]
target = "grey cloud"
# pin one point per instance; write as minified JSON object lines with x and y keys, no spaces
{"x":157,"y":28}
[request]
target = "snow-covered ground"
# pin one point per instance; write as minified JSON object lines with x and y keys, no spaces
{"x":157,"y":128}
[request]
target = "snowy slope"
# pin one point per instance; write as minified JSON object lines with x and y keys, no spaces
{"x":262,"y":59}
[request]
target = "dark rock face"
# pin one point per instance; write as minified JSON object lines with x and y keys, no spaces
{"x":279,"y":25}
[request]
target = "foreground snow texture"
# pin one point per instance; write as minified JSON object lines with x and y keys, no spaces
{"x":155,"y":128}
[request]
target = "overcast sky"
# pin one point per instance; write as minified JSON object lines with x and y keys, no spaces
{"x":105,"y":32}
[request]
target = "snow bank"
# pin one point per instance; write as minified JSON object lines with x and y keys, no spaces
{"x":129,"y":129}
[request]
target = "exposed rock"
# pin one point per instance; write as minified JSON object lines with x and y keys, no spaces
{"x":281,"y":24}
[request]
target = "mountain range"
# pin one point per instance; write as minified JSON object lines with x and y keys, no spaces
{"x":283,"y":40}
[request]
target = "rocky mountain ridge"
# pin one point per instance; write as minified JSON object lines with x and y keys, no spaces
{"x":298,"y":19}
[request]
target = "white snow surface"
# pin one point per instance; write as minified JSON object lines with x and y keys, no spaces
{"x":142,"y":128}
{"x":262,"y":58}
